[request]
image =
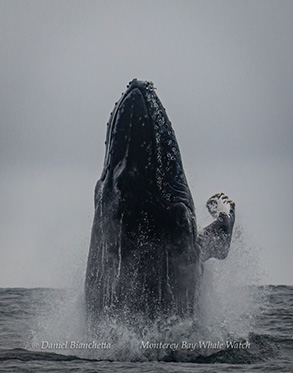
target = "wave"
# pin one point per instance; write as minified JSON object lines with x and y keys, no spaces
{"x":27,"y":355}
{"x":263,"y":348}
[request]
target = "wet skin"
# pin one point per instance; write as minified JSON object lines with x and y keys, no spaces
{"x":146,"y":254}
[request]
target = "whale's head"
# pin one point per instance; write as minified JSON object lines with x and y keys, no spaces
{"x":142,"y":155}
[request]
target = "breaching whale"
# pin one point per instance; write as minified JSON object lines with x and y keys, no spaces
{"x":146,"y":256}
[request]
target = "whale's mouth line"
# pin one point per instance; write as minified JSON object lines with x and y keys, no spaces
{"x":119,"y":106}
{"x":136,"y":94}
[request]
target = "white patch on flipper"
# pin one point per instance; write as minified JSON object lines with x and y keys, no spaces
{"x":219,"y":203}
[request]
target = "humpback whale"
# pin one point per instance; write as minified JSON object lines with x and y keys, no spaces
{"x":146,"y":256}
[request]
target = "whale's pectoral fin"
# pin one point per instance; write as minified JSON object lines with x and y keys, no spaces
{"x":214,"y":240}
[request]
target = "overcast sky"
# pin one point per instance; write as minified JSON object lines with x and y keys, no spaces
{"x":223,"y":70}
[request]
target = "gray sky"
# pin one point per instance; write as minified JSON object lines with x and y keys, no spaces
{"x":223,"y":70}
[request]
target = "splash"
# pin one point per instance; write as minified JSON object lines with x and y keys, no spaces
{"x":230,"y":300}
{"x":227,"y":309}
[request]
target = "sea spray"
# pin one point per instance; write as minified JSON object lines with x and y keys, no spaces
{"x":227,"y":307}
{"x":229,"y":300}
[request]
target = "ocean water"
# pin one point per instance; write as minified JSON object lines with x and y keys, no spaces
{"x":248,"y":329}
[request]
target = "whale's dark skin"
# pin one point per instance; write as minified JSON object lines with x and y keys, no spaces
{"x":145,"y":253}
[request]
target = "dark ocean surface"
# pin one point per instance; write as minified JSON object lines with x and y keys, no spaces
{"x":43,"y":330}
